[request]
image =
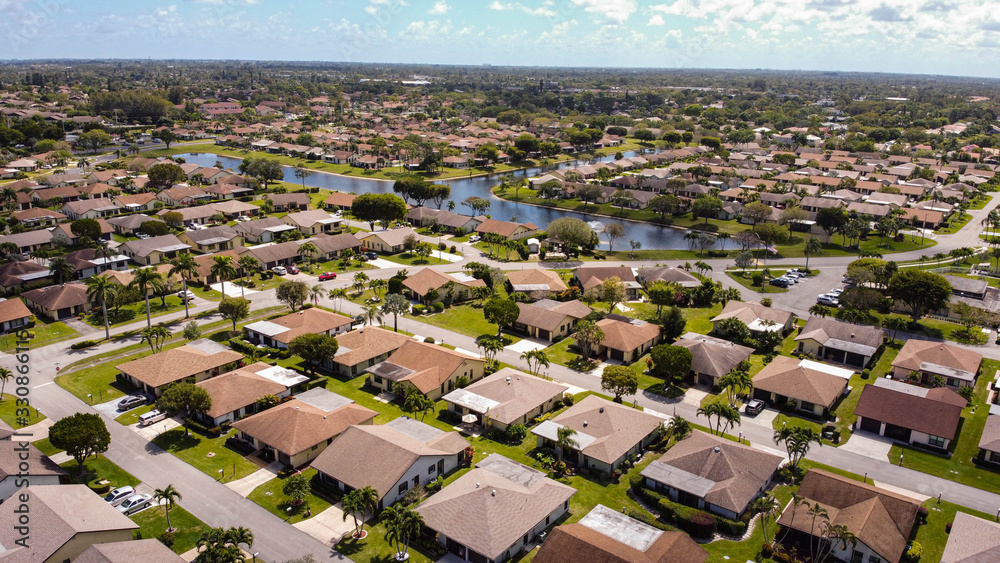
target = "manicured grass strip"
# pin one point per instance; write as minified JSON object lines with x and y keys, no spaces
{"x":8,"y":412}
{"x":208,"y":455}
{"x":45,"y":334}
{"x":46,"y":447}
{"x":99,"y":467}
{"x":270,"y":496}
{"x":153,"y":523}
{"x":132,"y":416}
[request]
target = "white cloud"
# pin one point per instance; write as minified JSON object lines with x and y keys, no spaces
{"x":657,"y":20}
{"x":614,"y":12}
{"x":440,"y":8}
{"x":545,"y":10}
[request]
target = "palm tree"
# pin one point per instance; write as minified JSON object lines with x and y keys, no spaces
{"x":372,"y":314}
{"x":155,"y":335}
{"x":797,"y":501}
{"x":816,"y":511}
{"x":236,"y":536}
{"x":223,"y":269}
{"x":144,"y":280}
{"x":722,"y":238}
{"x":735,"y":383}
{"x":395,"y":304}
{"x":837,"y":535}
{"x":378,"y":286}
{"x":813,"y":246}
{"x":708,"y":411}
{"x":797,"y":441}
{"x":401,"y":525}
{"x":340,"y":293}
{"x":308,"y":250}
{"x":359,"y":282}
{"x":167,"y":496}
{"x":357,"y":502}
{"x":536,"y":360}
{"x":768,"y":507}
{"x":297,"y":488}
{"x":62,"y":270}
{"x":565,"y":440}
{"x":247,"y":264}
{"x":101,"y":290}
{"x":315,"y":292}
{"x":5,"y":374}
{"x":679,"y":428}
{"x":185,"y":267}
{"x":301,"y":172}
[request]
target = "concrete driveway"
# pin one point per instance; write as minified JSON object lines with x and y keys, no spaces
{"x":232,"y":289}
{"x":527,"y":344}
{"x":380,"y":263}
{"x":765,"y":418}
{"x":109,"y":408}
{"x":328,"y":526}
{"x":153,"y":430}
{"x":869,"y":445}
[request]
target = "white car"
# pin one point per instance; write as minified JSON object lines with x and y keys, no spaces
{"x":118,"y":495}
{"x":828,"y":300}
{"x":835,"y":292}
{"x":242,"y":218}
{"x":280,"y":270}
{"x":474,"y":238}
{"x":185,"y":295}
{"x":134,"y":504}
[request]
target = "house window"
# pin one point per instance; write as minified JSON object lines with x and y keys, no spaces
{"x":377,"y":380}
{"x":936,"y":441}
{"x":874,"y":559}
{"x":430,"y":470}
{"x":403,"y":486}
{"x":857,"y":556}
{"x":806,"y":406}
{"x":952,"y":382}
{"x":547,"y":520}
{"x":566,"y":505}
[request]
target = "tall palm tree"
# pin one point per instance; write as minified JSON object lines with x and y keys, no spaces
{"x":372,"y":314}
{"x":357,"y":502}
{"x":240,"y":535}
{"x":315,"y":292}
{"x":768,"y":507}
{"x":337,"y":295}
{"x":360,"y":280}
{"x":565,"y":440}
{"x":378,"y":287}
{"x":797,"y":501}
{"x":813,"y":246}
{"x":185,"y":267}
{"x":308,"y":250}
{"x":61,"y":270}
{"x":5,"y":374}
{"x":101,"y":290}
{"x":247,"y":264}
{"x":816,"y":511}
{"x":145,"y":280}
{"x":679,"y":428}
{"x":395,"y":304}
{"x":223,"y":269}
{"x":401,"y":525}
{"x":167,"y":496}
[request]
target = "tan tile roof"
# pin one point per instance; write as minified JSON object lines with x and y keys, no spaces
{"x":616,"y":430}
{"x":737,"y":471}
{"x":37,"y":212}
{"x":592,"y":277}
{"x":145,"y":247}
{"x":431,"y":365}
{"x":535,"y":279}
{"x":489,"y":508}
{"x":547,"y":314}
{"x":750,"y":311}
{"x":990,"y":440}
{"x":390,"y":237}
{"x":673,"y":275}
{"x":881,"y":519}
{"x":307,"y":218}
{"x":295,"y":426}
{"x":713,"y":356}
{"x":577,"y":542}
{"x":147,"y":551}
{"x":823,"y":330}
{"x":125,"y":277}
{"x":626,"y":336}
{"x":239,"y":388}
{"x":937,"y":413}
{"x":503,"y":228}
{"x":38,"y":464}
{"x":428,"y":279}
{"x":517,"y":393}
{"x":388,"y":453}
{"x":58,"y":296}
{"x":176,"y":364}
{"x":205,"y":262}
{"x":972,"y":540}
{"x":308,"y":321}
{"x":366,"y":343}
{"x":13,"y":309}
{"x":58,"y":513}
{"x":784,"y":376}
{"x":340,"y":199}
{"x":916,"y":352}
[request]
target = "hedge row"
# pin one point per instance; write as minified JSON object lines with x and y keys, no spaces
{"x":698,"y":523}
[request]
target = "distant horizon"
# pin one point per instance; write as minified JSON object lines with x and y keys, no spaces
{"x":898,"y":37}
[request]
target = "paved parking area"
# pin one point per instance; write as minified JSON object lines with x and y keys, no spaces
{"x":232,"y":289}
{"x":153,"y":430}
{"x":869,"y":445}
{"x":109,"y":408}
{"x":527,"y":344}
{"x":328,"y":526}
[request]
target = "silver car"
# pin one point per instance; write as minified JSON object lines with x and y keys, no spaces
{"x":118,"y":495}
{"x":134,"y":504}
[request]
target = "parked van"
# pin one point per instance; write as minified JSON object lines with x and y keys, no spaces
{"x":151,"y":417}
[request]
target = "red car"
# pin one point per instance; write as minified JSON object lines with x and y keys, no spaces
{"x":327,"y":276}
{"x":293,"y":270}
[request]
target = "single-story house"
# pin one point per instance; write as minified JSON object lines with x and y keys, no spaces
{"x":263,"y":230}
{"x":550,"y":320}
{"x":332,"y":246}
{"x":957,"y":366}
{"x":37,"y":217}
{"x":90,"y":208}
{"x":297,"y":431}
{"x":154,"y":250}
{"x":128,"y":224}
{"x":473,"y":517}
{"x":362,"y":348}
{"x":183,"y":195}
{"x":204,"y":262}
{"x":271,"y":255}
{"x":458,"y":285}
{"x":433,"y":370}
{"x":588,"y":278}
{"x":86,"y":262}
{"x":507,"y":397}
{"x":450,"y":222}
{"x":297,"y":201}
{"x":811,"y":386}
{"x":971,"y":540}
{"x":535,"y":281}
{"x":147,"y":551}
{"x":610,"y":536}
{"x":880,"y":520}
{"x":712,"y":358}
{"x":398,"y":456}
{"x":627,"y":339}
{"x":279,"y":332}
{"x":136,"y":202}
{"x":212,"y":239}
{"x":606,"y":433}
{"x":386,"y":241}
{"x":910,"y":413}
{"x":29,"y":241}
{"x":839,"y":342}
{"x":757,"y":317}
{"x":13,"y":314}
{"x":58,"y":302}
{"x":19,"y":272}
{"x":338,"y":200}
{"x":713,"y":474}
{"x":989,"y":442}
{"x":313,"y":222}
{"x":21,"y":464}
{"x":235,"y":393}
{"x":62,"y":234}
{"x":507,"y":229}
{"x":679,"y":276}
{"x":194,"y":362}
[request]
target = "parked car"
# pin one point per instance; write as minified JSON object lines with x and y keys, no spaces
{"x":142,"y":235}
{"x":361,"y":258}
{"x":134,"y":504}
{"x":151,"y":417}
{"x":242,"y":218}
{"x":755,"y":406}
{"x":780,"y":282}
{"x":185,"y":295}
{"x":131,"y":402}
{"x":293,"y":270}
{"x":280,"y":270}
{"x":327,"y":276}
{"x":828,"y":300}
{"x":371,"y":255}
{"x":118,"y":495}
{"x":835,"y":292}
{"x":474,"y":238}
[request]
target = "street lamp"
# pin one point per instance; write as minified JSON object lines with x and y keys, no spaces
{"x":221,"y":474}
{"x":90,"y":397}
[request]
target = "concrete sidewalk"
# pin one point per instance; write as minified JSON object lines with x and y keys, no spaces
{"x":246,"y":485}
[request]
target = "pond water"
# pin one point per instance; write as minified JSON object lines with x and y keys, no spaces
{"x":652,"y":237}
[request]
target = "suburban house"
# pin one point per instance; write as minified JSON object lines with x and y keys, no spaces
{"x":627,"y":339}
{"x":13,"y":314}
{"x":58,"y":302}
{"x":297,"y":431}
{"x":811,"y":386}
{"x":971,"y":540}
{"x":86,"y":263}
{"x":90,"y":208}
{"x":550,"y":320}
{"x":279,"y":332}
{"x":37,"y":217}
{"x":432,"y":370}
{"x":400,"y":455}
{"x":332,"y":246}
{"x":838,"y":342}
{"x":507,"y":397}
{"x":386,"y":241}
{"x":212,"y":239}
{"x":457,"y":285}
{"x":610,"y":536}
{"x":147,"y":551}
{"x":338,"y":200}
{"x":712,"y":358}
{"x":29,"y":241}
{"x":276,"y":254}
{"x":362,"y":348}
{"x":957,"y":366}
{"x":589,"y":278}
{"x":678,"y":276}
{"x":909,"y":413}
{"x":450,"y":222}
{"x":128,"y":224}
{"x":989,"y":442}
{"x":136,"y":202}
{"x":880,"y":520}
{"x":507,"y":229}
{"x":473,"y":517}
{"x":154,"y":250}
{"x":21,"y":464}
{"x":195,"y":361}
{"x":62,"y":234}
{"x":297,"y":201}
{"x":713,"y":474}
{"x":757,"y":317}
{"x":606,"y":433}
{"x":535,"y":281}
{"x":73,"y":518}
{"x":313,"y":222}
{"x":235,"y":393}
{"x":263,"y":230}
{"x":183,"y":195}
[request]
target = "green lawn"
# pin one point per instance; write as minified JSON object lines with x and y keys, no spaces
{"x":132,"y":416}
{"x":9,"y":414}
{"x":746,"y":280}
{"x":960,"y":467}
{"x":560,"y":353}
{"x":99,"y":467}
{"x":46,"y":447}
{"x":153,"y":522}
{"x":953,"y":224}
{"x":411,"y":259}
{"x":463,"y":319}
{"x":749,"y":549}
{"x":209,"y":455}
{"x":932,"y":535}
{"x":46,"y":333}
{"x":156,"y":309}
{"x":270,"y":496}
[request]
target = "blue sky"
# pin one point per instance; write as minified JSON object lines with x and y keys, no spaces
{"x":957,"y":37}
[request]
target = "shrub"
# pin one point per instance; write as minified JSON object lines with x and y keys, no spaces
{"x":967,"y":393}
{"x":453,"y":249}
{"x":757,"y":278}
{"x":698,"y":523}
{"x":167,"y":539}
{"x":461,"y":382}
{"x":438,"y":307}
{"x":922,"y":513}
{"x":429,"y":340}
{"x":568,"y":401}
{"x":914,"y":553}
{"x":442,"y":246}
{"x":766,"y":301}
{"x":730,"y":527}
{"x":83,"y":344}
{"x":413,"y":495}
{"x":431,"y":546}
{"x":516,"y":433}
{"x":435,"y":485}
{"x":99,"y":486}
{"x":646,"y":518}
{"x":418,"y":309}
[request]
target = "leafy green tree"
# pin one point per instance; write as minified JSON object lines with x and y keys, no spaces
{"x":192,"y":331}
{"x":94,"y":139}
{"x":81,"y":436}
{"x":378,"y":208}
{"x":186,"y":398}
{"x":224,"y":270}
{"x":707,"y":207}
{"x":86,"y":229}
{"x":588,"y":335}
{"x":671,"y":362}
{"x":314,"y":348}
{"x":292,"y":293}
{"x":501,"y":312}
{"x":613,"y":292}
{"x":569,"y":232}
{"x":672,"y":323}
{"x":920,"y":290}
{"x":234,"y":309}
{"x":296,"y":488}
{"x":619,"y":380}
{"x":755,"y":212}
{"x":166,"y":174}
{"x":155,"y":336}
